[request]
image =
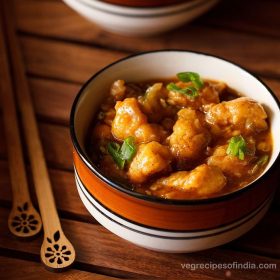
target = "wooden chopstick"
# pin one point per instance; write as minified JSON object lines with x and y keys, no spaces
{"x":19,"y":221}
{"x":53,"y":233}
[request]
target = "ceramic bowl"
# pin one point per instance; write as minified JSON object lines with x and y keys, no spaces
{"x":155,"y":223}
{"x":140,"y":21}
{"x":144,"y":3}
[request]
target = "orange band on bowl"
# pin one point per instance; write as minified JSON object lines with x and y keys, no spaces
{"x":171,"y":217}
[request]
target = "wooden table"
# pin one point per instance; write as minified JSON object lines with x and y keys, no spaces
{"x":61,"y":51}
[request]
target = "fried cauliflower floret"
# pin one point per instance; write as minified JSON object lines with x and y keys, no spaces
{"x":207,"y":95}
{"x":118,"y":90}
{"x":130,"y":121}
{"x":153,"y":103}
{"x":231,"y":165}
{"x":239,"y":116}
{"x":189,"y":136}
{"x":150,"y":132}
{"x":150,"y":159}
{"x":204,"y":180}
{"x":128,"y":118}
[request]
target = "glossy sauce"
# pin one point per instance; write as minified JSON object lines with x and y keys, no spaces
{"x":159,"y":135}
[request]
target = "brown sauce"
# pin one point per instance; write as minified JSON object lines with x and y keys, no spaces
{"x":157,"y":115}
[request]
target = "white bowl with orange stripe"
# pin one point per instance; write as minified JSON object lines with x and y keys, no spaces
{"x":161,"y":224}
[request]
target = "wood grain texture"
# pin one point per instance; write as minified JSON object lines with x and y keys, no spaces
{"x":246,"y":16}
{"x":245,"y":49}
{"x":56,"y":144}
{"x":40,"y":18}
{"x":29,"y":270}
{"x":24,"y":221}
{"x":267,"y":242}
{"x":63,"y":187}
{"x":49,"y":59}
{"x":88,"y":60}
{"x":57,"y":253}
{"x":103,"y":249}
{"x":56,"y":95}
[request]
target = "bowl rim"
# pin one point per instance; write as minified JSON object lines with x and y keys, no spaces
{"x":153,"y":6}
{"x":143,"y":12}
{"x":180,"y":202}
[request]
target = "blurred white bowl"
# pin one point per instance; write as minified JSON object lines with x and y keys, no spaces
{"x":140,"y":21}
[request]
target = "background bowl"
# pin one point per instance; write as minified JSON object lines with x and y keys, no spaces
{"x":140,"y":21}
{"x":145,"y":3}
{"x":155,"y":223}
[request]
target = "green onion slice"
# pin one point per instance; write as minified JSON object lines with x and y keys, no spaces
{"x":190,"y":91}
{"x":114,"y":151}
{"x":124,"y":153}
{"x":128,"y":149}
{"x":191,"y":77}
{"x":237,"y":147}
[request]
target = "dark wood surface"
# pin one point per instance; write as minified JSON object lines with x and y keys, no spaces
{"x":61,"y":50}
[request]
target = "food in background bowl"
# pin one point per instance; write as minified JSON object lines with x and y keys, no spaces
{"x":145,"y":3}
{"x":173,"y":224}
{"x":181,"y":139}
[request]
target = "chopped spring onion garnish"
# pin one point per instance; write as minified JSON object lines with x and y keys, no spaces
{"x":190,"y":91}
{"x":128,"y":148}
{"x":191,"y":77}
{"x":114,"y":151}
{"x":124,"y":153}
{"x":237,"y":147}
